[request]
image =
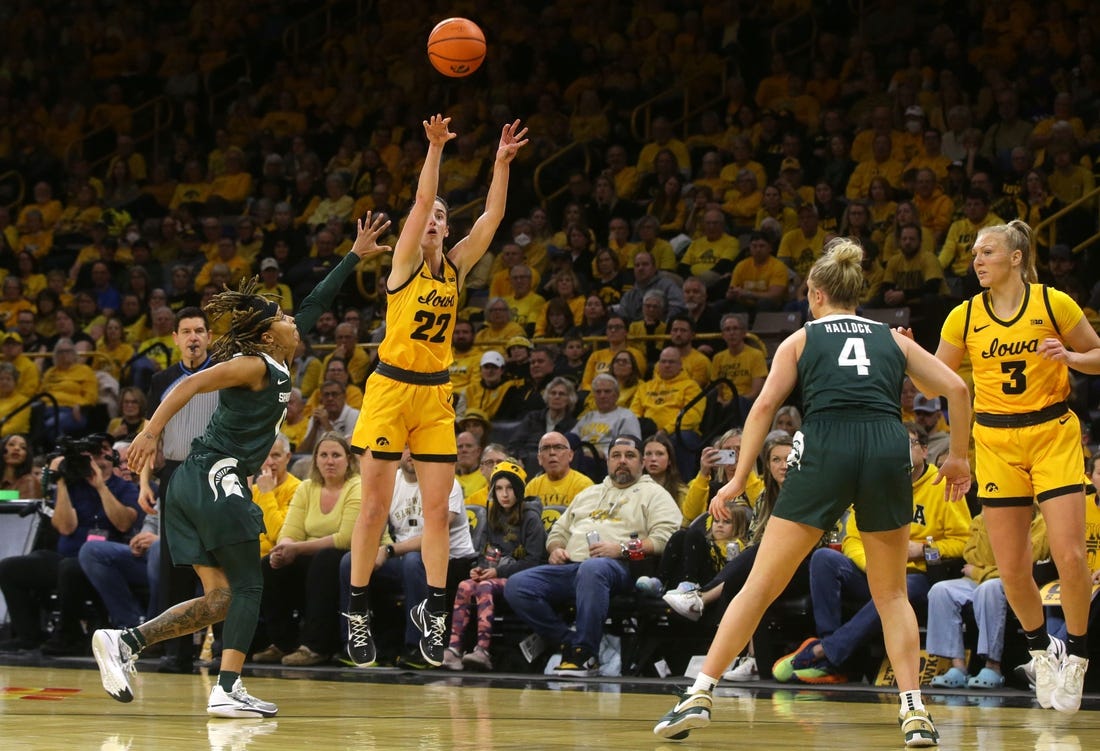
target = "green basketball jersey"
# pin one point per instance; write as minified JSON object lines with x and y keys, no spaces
{"x":851,"y":368}
{"x":246,"y":422}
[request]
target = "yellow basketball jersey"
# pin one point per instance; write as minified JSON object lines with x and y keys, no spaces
{"x":420,"y":317}
{"x":1010,"y":377}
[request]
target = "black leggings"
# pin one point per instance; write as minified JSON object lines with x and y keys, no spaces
{"x":241,"y":564}
{"x":735,"y":573}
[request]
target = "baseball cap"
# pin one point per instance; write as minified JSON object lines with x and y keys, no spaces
{"x":269,"y":263}
{"x":11,"y":335}
{"x":518,"y":341}
{"x":790,"y":163}
{"x":625,"y":439}
{"x":914,"y":110}
{"x":492,"y":357}
{"x":475,"y":414}
{"x":922,"y":403}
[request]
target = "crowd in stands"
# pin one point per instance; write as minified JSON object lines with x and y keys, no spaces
{"x":621,"y":297}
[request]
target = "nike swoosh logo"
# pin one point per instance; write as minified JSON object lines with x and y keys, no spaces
{"x":1064,"y":420}
{"x":980,"y":328}
{"x":280,"y":383}
{"x":428,"y":277}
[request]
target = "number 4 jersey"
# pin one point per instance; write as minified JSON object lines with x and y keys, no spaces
{"x":420,"y":317}
{"x":850,"y":369}
{"x":1010,"y":376}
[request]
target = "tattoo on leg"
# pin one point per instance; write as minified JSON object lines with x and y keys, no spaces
{"x":188,"y":617}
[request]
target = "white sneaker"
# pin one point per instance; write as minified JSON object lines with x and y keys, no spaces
{"x":687,"y":604}
{"x":1071,"y":684}
{"x":116,"y":663}
{"x":238,"y":703}
{"x":1048,"y":664}
{"x":743,"y":669}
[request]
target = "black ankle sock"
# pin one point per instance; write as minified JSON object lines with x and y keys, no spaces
{"x":1038,"y":639}
{"x":359,"y":602}
{"x":134,"y":639}
{"x":437,"y":599}
{"x":226,"y":679}
{"x":1077,"y":646}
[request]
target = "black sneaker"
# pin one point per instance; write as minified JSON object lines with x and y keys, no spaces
{"x":411,"y":659}
{"x":361,"y":649}
{"x":433,"y":626}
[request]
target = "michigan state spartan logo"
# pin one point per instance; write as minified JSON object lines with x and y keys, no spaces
{"x":223,"y":477}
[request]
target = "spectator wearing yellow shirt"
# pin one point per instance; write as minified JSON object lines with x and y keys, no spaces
{"x":48,"y":208}
{"x":466,"y":360}
{"x":955,"y":254}
{"x":712,"y":255}
{"x":500,"y":283}
{"x":527,"y":307}
{"x":681,"y":331}
{"x":760,"y":281}
{"x":881,"y":164}
{"x":35,"y":237}
{"x":27,"y":375}
{"x":932,"y":157}
{"x":114,"y":347}
{"x":772,"y":207}
{"x":800,"y":248}
{"x":229,"y":191}
{"x":337,"y":203}
{"x":624,"y":175}
{"x":661,"y":398}
{"x":745,"y":366}
{"x":10,"y":399}
{"x":192,"y":190}
{"x":559,"y":483}
{"x":742,"y":201}
{"x":272,"y":491}
{"x":499,"y":326}
{"x":12,"y":301}
{"x":935,"y":207}
{"x":75,"y":388}
{"x":663,"y":139}
{"x":227,"y":256}
{"x":272,"y":288}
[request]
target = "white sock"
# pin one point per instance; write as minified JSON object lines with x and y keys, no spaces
{"x":910,"y":700}
{"x":703,"y":682}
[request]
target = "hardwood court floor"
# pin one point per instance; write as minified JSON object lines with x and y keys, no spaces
{"x":54,"y":708}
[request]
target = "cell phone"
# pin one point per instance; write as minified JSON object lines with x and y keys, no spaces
{"x":593,"y":537}
{"x":726,"y":456}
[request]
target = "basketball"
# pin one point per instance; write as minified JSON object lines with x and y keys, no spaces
{"x":456,"y":47}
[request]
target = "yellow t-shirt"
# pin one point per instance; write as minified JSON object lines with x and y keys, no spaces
{"x":558,"y":492}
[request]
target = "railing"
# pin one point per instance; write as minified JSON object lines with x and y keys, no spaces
{"x":472,"y":208}
{"x":156,"y":114}
{"x":642,"y":115}
{"x":221,"y":83}
{"x":312,"y":29}
{"x":19,"y":187}
{"x":557,"y":156}
{"x":1048,"y":224}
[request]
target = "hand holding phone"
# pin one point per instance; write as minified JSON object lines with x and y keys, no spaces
{"x":726,"y":456}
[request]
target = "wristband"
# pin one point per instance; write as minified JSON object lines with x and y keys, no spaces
{"x":624,"y":551}
{"x":390,"y":552}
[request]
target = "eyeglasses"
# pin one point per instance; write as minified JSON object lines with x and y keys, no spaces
{"x":490,"y":463}
{"x":553,"y":447}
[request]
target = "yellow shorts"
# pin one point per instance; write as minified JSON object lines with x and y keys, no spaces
{"x":1017,"y":466}
{"x":395,"y":414}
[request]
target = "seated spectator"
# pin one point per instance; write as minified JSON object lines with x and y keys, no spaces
{"x":19,"y":473}
{"x":336,"y":369}
{"x":711,"y":256}
{"x":698,"y":552}
{"x":74,"y":386}
{"x":346,"y":336}
{"x":499,"y":326}
{"x":467,"y":464}
{"x":10,"y":399}
{"x":788,"y":419}
{"x":125,"y":573}
{"x":837,"y":577}
{"x":559,"y":483}
{"x":27,"y":376}
{"x":491,"y":455}
{"x":646,"y":333}
{"x":515,"y":540}
{"x":272,"y":491}
{"x":759,"y":282}
{"x":605,"y":418}
{"x":114,"y":347}
{"x":297,"y":422}
{"x":128,"y":424}
{"x":647,"y":278}
{"x":661,"y":399}
{"x":302,"y":571}
{"x":272,"y":288}
{"x":981,"y":587}
{"x":600,"y":359}
{"x":589,"y":553}
{"x":491,"y":394}
{"x":97,"y":505}
{"x":560,"y":397}
{"x":335,"y":415}
{"x":659,"y":462}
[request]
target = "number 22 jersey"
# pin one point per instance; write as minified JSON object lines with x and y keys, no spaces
{"x":420,"y":317}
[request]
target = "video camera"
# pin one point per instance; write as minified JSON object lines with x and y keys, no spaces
{"x":76,"y":458}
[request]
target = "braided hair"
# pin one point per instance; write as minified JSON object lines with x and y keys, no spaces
{"x":250,"y":316}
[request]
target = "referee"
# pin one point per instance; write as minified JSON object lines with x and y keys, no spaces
{"x":192,"y":339}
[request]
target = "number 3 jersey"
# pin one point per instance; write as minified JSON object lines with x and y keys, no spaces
{"x":1010,"y":376}
{"x":420,"y":317}
{"x":850,"y":369}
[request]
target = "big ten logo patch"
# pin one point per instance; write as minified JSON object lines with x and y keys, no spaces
{"x":930,"y":667}
{"x":37,"y":694}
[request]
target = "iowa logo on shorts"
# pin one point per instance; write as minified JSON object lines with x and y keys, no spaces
{"x":223,"y":477}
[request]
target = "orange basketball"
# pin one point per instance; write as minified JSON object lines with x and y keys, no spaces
{"x":456,"y":47}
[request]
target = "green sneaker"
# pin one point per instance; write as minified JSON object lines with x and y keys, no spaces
{"x":919,"y":730}
{"x":692,"y":711}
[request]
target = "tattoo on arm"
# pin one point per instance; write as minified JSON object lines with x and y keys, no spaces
{"x":188,"y":617}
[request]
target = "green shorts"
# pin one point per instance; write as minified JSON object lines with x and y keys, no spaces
{"x":209,"y":505}
{"x":836,"y":464}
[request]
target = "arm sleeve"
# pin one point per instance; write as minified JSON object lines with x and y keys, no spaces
{"x":322,"y":296}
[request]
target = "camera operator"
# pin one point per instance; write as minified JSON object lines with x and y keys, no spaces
{"x":91,"y":503}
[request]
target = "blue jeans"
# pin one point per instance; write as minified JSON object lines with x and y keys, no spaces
{"x":115,"y":572}
{"x":535,"y":593}
{"x":835,"y":579}
{"x":405,"y":573}
{"x":945,"y":624}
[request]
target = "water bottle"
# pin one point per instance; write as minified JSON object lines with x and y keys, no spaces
{"x":634,"y":549}
{"x":492,"y":556}
{"x":832,"y":539}
{"x":733,"y":549}
{"x":931,"y":552}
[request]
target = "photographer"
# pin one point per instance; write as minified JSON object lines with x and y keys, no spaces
{"x":91,"y":503}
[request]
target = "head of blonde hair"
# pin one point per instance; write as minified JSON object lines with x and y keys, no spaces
{"x":1016,"y":235}
{"x":839,"y":273}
